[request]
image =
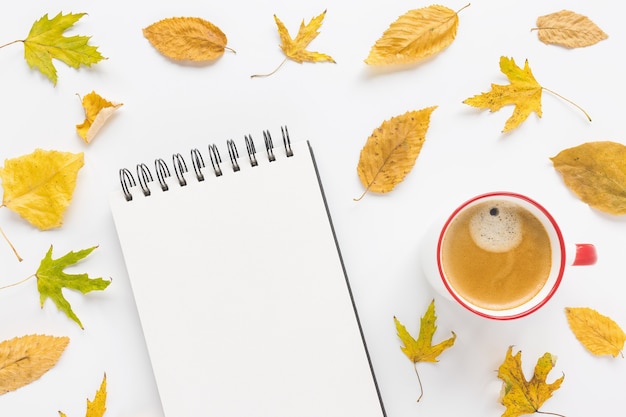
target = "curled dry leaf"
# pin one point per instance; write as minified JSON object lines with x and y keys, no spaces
{"x":422,"y":348}
{"x":596,"y":173}
{"x":415,"y":35}
{"x":39,"y":186}
{"x":97,"y":406}
{"x":599,"y":334}
{"x":520,"y":396}
{"x":27,"y":358}
{"x":187,"y":39}
{"x":97,"y":112}
{"x":568,"y":29}
{"x":392,"y":149}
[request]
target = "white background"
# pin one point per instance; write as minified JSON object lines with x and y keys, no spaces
{"x":171,"y":107}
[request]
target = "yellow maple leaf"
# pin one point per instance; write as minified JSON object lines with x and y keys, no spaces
{"x":187,"y":39}
{"x":422,"y":348}
{"x":295,"y":48}
{"x":415,"y":35}
{"x":39,"y":186}
{"x":27,"y":358}
{"x":97,"y":112}
{"x":97,"y":406}
{"x":390,"y":152}
{"x":599,"y":334}
{"x":596,"y":173}
{"x":520,"y":396}
{"x":569,"y":29}
{"x":524,"y":92}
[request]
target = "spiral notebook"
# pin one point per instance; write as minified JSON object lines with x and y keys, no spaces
{"x":241,"y":291}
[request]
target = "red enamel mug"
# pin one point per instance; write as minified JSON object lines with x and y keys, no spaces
{"x":500,"y":255}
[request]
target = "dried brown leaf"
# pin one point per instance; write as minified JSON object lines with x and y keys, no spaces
{"x":569,"y":29}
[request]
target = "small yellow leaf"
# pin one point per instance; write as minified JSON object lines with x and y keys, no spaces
{"x":187,"y":39}
{"x":26,"y":359}
{"x":596,"y":172}
{"x":415,"y":35}
{"x":568,"y":29}
{"x":392,"y":149}
{"x":97,"y":112}
{"x":523,"y":91}
{"x":520,"y":396}
{"x":599,"y":334}
{"x":97,"y":406}
{"x":39,"y":186}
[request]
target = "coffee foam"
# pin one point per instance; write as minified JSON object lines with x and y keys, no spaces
{"x":496,"y":227}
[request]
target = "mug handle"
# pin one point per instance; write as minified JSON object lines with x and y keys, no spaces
{"x":586,"y":254}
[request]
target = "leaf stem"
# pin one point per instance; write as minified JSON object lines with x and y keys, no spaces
{"x":11,"y":43}
{"x":463,"y":8}
{"x":569,"y":101}
{"x":549,"y":413}
{"x":420,"y":382}
{"x":19,"y":258}
{"x":267,"y":75}
{"x":18,"y":282}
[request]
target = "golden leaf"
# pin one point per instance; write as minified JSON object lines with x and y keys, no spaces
{"x":97,"y":112}
{"x":97,"y":407}
{"x":392,"y":149}
{"x":415,"y":35}
{"x":295,"y":48}
{"x":422,"y":349}
{"x":568,"y":29}
{"x":599,"y":334}
{"x":39,"y":186}
{"x":187,"y":39}
{"x":27,"y":358}
{"x":596,"y":173}
{"x":520,"y":396}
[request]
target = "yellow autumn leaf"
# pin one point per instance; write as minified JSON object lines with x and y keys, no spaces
{"x":524,"y":92}
{"x":187,"y":39}
{"x":520,"y":396}
{"x":599,"y":334}
{"x":569,"y":29}
{"x":295,"y":48}
{"x":392,"y":149}
{"x":39,"y":186}
{"x":27,"y":358}
{"x":97,"y":112}
{"x":596,"y":173}
{"x":97,"y":406}
{"x":422,"y":348}
{"x":415,"y":35}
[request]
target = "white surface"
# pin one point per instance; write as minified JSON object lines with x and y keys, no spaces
{"x":168,"y":107}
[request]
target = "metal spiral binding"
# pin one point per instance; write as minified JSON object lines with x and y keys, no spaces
{"x":144,"y":175}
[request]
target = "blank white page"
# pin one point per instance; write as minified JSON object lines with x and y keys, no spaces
{"x":242,"y":295}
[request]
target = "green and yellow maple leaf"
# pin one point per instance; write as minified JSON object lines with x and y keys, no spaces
{"x":46,"y":41}
{"x":524,"y":92}
{"x":520,"y":396}
{"x":51,"y":279}
{"x":422,"y":349}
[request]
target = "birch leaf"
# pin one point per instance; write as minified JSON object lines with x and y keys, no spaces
{"x":187,"y":39}
{"x":39,"y":186}
{"x":596,"y":173}
{"x":568,"y":29}
{"x":97,"y":112}
{"x":51,"y":279}
{"x":27,"y":358}
{"x":392,"y":149}
{"x":45,"y":41}
{"x":422,"y":348}
{"x":520,"y":396}
{"x":97,"y":406}
{"x":599,"y":334}
{"x":415,"y":35}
